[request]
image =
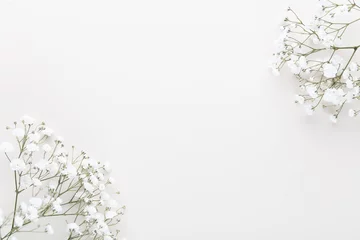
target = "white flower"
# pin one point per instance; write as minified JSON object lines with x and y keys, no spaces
{"x":333,"y":118}
{"x":330,"y":70}
{"x":28,"y":120}
{"x":18,"y":132}
{"x":110,"y":214}
{"x":349,"y":84}
{"x":70,"y":170}
{"x":32,"y":214}
{"x":107,"y":167}
{"x":32,"y":147}
{"x":352,"y":113}
{"x":49,"y":229}
{"x":60,"y":139}
{"x":93,"y":179}
{"x":353,"y":67}
{"x":46,"y":147}
{"x":312,"y":91}
{"x":6,"y":147}
{"x":62,"y":160}
{"x":47,"y":131}
{"x":102,"y":187}
{"x":91,"y":210}
{"x":53,"y":168}
{"x":17,"y":164}
{"x":34,"y":137}
{"x":18,"y":221}
{"x":35,"y":202}
{"x":302,"y":62}
{"x":73,"y":227}
{"x":334,"y":96}
{"x":111,"y":180}
{"x":89,"y":187}
{"x":299,"y":99}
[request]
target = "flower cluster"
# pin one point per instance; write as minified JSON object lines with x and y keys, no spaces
{"x":50,"y":182}
{"x":317,"y":55}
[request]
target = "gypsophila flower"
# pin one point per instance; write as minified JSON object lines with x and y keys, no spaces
{"x":17,"y":164}
{"x":49,"y":229}
{"x":52,"y":183}
{"x":32,"y":147}
{"x":319,"y":55}
{"x":19,"y":221}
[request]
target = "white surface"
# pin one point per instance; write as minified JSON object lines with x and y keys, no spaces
{"x":176,"y":94}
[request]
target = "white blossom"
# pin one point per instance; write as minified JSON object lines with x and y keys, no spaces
{"x":17,"y":164}
{"x":49,"y":229}
{"x":19,"y":221}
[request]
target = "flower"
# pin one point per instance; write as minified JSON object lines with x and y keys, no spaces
{"x":49,"y":229}
{"x":299,"y":99}
{"x":110,"y":214}
{"x":17,"y":164}
{"x":18,"y":132}
{"x":6,"y":147}
{"x":41,"y":165}
{"x":73,"y":228}
{"x":18,"y":221}
{"x":36,"y":182}
{"x":47,"y":131}
{"x":32,"y":147}
{"x":309,"y":109}
{"x":330,"y":70}
{"x":27,"y":120}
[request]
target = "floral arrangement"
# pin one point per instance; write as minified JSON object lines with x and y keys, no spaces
{"x":322,"y":57}
{"x":52,"y":183}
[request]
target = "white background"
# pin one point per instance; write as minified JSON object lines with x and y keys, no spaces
{"x":205,"y":143}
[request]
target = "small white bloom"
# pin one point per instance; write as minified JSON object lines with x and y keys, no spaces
{"x":110,"y":214}
{"x":353,"y":67}
{"x":330,"y":70}
{"x":28,"y":120}
{"x":312,"y":91}
{"x":299,"y":99}
{"x":34,"y":137}
{"x":104,"y":196}
{"x":89,"y":187}
{"x":18,"y":132}
{"x":70,"y":170}
{"x":102,"y":187}
{"x":302,"y":62}
{"x":49,"y":229}
{"x":17,"y":164}
{"x":352,"y":113}
{"x":73,"y":227}
{"x":47,"y":131}
{"x":111,"y":180}
{"x":112,"y":203}
{"x":18,"y":221}
{"x":32,"y":147}
{"x":6,"y":147}
{"x":62,"y":159}
{"x":349,"y":84}
{"x":107,"y":167}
